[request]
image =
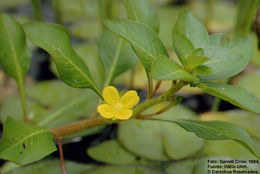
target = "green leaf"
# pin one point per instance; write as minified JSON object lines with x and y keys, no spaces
{"x":224,"y":50}
{"x":35,"y":110}
{"x":250,"y":81}
{"x":192,"y":29}
{"x":182,"y":46}
{"x":233,"y":94}
{"x":216,"y":39}
{"x":111,"y":152}
{"x":183,"y":167}
{"x":217,"y":130}
{"x":51,"y":166}
{"x":195,"y":61}
{"x":116,"y":55}
{"x":89,"y":53}
{"x":122,"y":169}
{"x":160,"y":141}
{"x":223,"y":62}
{"x":24,"y":143}
{"x":197,"y":52}
{"x":243,"y":47}
{"x":13,"y":57}
{"x":13,"y":53}
{"x":56,"y":41}
{"x":248,"y":121}
{"x":142,"y":12}
{"x":143,"y":39}
{"x":228,"y":148}
{"x":165,"y":69}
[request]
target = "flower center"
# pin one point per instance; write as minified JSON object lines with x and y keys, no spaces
{"x":118,"y":107}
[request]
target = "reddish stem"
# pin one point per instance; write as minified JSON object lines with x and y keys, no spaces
{"x":62,"y":162}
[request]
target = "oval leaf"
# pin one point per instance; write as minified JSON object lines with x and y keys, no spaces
{"x":165,"y":69}
{"x":111,"y":152}
{"x":217,"y":130}
{"x":24,"y":143}
{"x":13,"y":57}
{"x":182,"y":46}
{"x":50,"y":166}
{"x":116,"y":55}
{"x":233,"y":94}
{"x":160,"y":141}
{"x":141,"y":11}
{"x":122,"y":169}
{"x":56,"y":41}
{"x":223,"y":62}
{"x":193,"y":29}
{"x":144,"y":40}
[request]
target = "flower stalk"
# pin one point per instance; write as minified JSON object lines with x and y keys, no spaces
{"x":92,"y":122}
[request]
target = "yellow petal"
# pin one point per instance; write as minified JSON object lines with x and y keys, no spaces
{"x":124,"y":114}
{"x":111,"y":95}
{"x":106,"y":111}
{"x":129,"y":99}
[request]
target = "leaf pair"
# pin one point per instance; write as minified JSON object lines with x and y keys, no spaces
{"x":142,"y":34}
{"x":225,"y":60}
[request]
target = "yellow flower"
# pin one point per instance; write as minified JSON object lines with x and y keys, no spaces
{"x":116,"y":107}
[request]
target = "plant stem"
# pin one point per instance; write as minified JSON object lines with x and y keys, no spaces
{"x":150,"y":85}
{"x":132,"y":77}
{"x":62,"y":162}
{"x":245,"y":16}
{"x":216,"y":104}
{"x":176,"y":101}
{"x":157,"y":86}
{"x":209,"y":12}
{"x":57,"y":11}
{"x":151,"y":102}
{"x":23,"y":99}
{"x":92,"y":122}
{"x":36,"y":5}
{"x":79,"y":126}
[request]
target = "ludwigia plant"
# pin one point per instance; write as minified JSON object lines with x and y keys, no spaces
{"x":147,"y":126}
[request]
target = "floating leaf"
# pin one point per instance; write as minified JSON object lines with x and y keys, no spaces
{"x":143,"y":39}
{"x":25,"y":143}
{"x":142,"y":12}
{"x":119,"y":169}
{"x":116,"y":54}
{"x":248,"y":121}
{"x":233,"y":94}
{"x":51,"y":166}
{"x":183,"y":167}
{"x":165,"y":69}
{"x":56,"y":41}
{"x":218,"y":130}
{"x":228,"y":148}
{"x":111,"y":152}
{"x":156,"y":140}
